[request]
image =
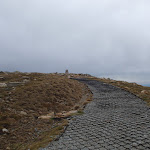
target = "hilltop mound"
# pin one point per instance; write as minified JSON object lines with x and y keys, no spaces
{"x":26,"y":96}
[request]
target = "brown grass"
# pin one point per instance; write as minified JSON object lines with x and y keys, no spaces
{"x":44,"y":93}
{"x":45,"y":137}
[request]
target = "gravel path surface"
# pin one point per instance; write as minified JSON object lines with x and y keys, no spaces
{"x":114,"y":120}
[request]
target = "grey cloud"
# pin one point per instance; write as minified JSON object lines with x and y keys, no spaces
{"x":98,"y":37}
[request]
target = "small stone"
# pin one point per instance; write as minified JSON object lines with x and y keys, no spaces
{"x":48,"y":116}
{"x":3,"y":85}
{"x":23,"y":113}
{"x":26,"y":80}
{"x":14,"y":84}
{"x":5,"y":130}
{"x":144,"y":92}
{"x":26,"y":77}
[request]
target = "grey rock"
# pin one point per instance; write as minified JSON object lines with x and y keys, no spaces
{"x":14,"y":84}
{"x":5,"y":130}
{"x":23,"y":113}
{"x":3,"y":85}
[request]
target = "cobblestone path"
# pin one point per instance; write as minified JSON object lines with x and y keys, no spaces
{"x":114,"y":120}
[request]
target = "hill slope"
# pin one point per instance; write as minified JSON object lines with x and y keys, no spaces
{"x":24,"y":97}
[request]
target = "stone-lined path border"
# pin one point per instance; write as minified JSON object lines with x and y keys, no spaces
{"x":114,"y":120}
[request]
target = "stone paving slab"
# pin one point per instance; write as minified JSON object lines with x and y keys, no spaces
{"x":114,"y":120}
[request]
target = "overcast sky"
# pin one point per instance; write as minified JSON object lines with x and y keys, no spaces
{"x":99,"y":37}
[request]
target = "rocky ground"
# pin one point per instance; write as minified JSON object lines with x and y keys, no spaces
{"x":28,"y":104}
{"x":114,"y":120}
